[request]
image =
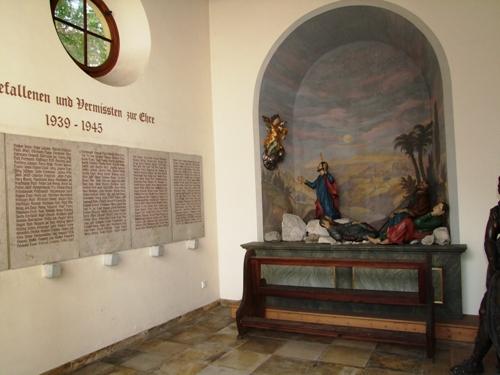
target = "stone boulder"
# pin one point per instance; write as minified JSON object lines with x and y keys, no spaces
{"x":273,"y":236}
{"x":441,"y":236}
{"x":428,"y":240}
{"x":313,"y":227}
{"x":293,"y":228}
{"x":311,"y":238}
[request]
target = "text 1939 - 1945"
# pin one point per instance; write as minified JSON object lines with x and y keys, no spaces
{"x":66,"y":123}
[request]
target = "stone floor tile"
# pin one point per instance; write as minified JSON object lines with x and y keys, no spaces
{"x":261,"y":345}
{"x":231,"y":329}
{"x":241,"y":360}
{"x":191,"y":336}
{"x":103,"y":368}
{"x":324,"y":368}
{"x":144,"y":361}
{"x":289,"y":336}
{"x":220,"y":310}
{"x":345,"y":355}
{"x":177,"y":328}
{"x":438,"y":365}
{"x":273,"y":334}
{"x":282,"y":365}
{"x":214,"y":322}
{"x":165,"y":334}
{"x":180,"y":367}
{"x":410,"y":351}
{"x":96,"y":368}
{"x":121,"y":356}
{"x":125,"y":371}
{"x":313,"y":338}
{"x":146,"y":345}
{"x":207,"y":343}
{"x":196,"y":354}
{"x":395,"y":362}
{"x":167,"y":349}
{"x":379,"y":371}
{"x":301,"y":349}
{"x":221,"y":341}
{"x":355,"y":344}
{"x":215,"y":370}
{"x":436,"y":369}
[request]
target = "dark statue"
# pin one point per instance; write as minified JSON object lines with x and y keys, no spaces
{"x":487,"y":333}
{"x":274,"y":152}
{"x":352,"y":231}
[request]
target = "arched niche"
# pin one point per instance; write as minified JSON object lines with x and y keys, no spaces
{"x":349,"y":80}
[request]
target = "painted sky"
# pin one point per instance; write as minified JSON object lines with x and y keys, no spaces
{"x":354,"y":101}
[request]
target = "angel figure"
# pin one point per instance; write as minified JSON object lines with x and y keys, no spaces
{"x":273,"y":143}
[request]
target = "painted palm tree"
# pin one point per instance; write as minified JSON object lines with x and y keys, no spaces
{"x":406,"y":142}
{"x":409,"y":185}
{"x":423,"y":139}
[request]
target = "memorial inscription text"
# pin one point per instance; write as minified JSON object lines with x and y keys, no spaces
{"x":44,"y":195}
{"x":187,"y":191}
{"x":104,"y":192}
{"x":151,"y":193}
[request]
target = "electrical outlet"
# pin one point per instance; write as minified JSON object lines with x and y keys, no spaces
{"x":203,"y":284}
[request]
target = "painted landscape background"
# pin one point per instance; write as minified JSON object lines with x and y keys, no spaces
{"x":374,"y":115}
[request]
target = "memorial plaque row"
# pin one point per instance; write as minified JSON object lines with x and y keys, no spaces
{"x":63,"y":200}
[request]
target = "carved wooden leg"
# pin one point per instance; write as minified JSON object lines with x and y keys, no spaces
{"x":260,"y":300}
{"x":430,"y":324}
{"x":247,"y":305}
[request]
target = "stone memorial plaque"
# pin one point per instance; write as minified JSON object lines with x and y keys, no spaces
{"x":4,"y":260}
{"x":187,"y":197}
{"x":149,"y":175}
{"x":41,"y":187}
{"x":103,"y":199}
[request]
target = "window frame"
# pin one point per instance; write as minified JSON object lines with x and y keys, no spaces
{"x":114,"y":40}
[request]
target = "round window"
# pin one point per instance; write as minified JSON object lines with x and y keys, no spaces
{"x":88,"y":32}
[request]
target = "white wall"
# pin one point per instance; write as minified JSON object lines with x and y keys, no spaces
{"x":241,"y":35}
{"x":45,"y":323}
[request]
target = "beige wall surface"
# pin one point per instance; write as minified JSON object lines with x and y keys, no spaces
{"x":203,"y":68}
{"x":45,"y":323}
{"x":242,"y":34}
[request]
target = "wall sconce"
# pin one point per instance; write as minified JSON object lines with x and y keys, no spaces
{"x":51,"y":270}
{"x":110,"y":260}
{"x":156,"y":251}
{"x":192,"y":244}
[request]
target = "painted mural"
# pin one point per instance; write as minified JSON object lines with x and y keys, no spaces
{"x":369,"y":110}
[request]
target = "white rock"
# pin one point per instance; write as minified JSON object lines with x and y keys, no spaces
{"x":293,"y":228}
{"x":311,"y":238}
{"x":329,"y":240}
{"x":273,"y":236}
{"x":313,"y":227}
{"x":441,"y":235}
{"x":428,"y":240}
